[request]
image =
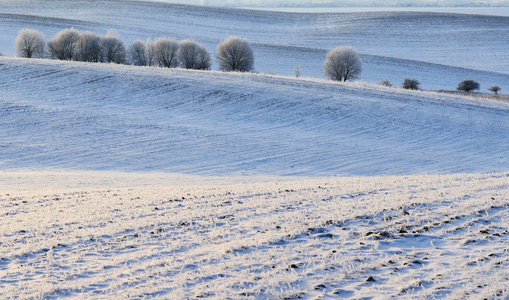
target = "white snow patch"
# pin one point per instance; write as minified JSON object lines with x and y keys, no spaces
{"x":413,"y":236}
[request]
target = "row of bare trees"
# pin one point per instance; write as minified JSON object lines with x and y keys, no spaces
{"x":233,"y":54}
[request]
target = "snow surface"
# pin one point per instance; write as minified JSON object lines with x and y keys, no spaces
{"x":485,"y":11}
{"x":432,"y":47}
{"x":69,"y":115}
{"x":358,"y":237}
{"x":139,"y":182}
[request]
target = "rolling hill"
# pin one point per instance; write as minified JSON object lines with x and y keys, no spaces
{"x":140,"y":182}
{"x":438,"y":49}
{"x":67,"y":115}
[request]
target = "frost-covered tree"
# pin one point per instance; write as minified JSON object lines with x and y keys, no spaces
{"x":88,"y":47}
{"x":64,"y":44}
{"x":138,"y":53}
{"x":151,"y":60}
{"x":165,"y":52}
{"x":495,"y":88}
{"x":113,"y":49}
{"x":342,"y":64}
{"x":235,"y":54}
{"x":468,"y":85}
{"x":411,"y":84}
{"x":297,"y":71}
{"x":203,"y":59}
{"x":29,"y":43}
{"x":193,"y":55}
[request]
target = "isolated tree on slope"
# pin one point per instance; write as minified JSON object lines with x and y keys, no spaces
{"x":113,"y":49}
{"x":411,"y":84}
{"x":495,"y":88}
{"x":235,"y":54}
{"x":342,"y":64}
{"x":468,"y":85}
{"x":88,"y":47}
{"x":138,"y":53}
{"x":165,"y":52}
{"x":193,"y":55}
{"x":64,"y":44}
{"x":29,"y":43}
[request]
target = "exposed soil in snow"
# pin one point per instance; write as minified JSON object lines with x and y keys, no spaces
{"x":413,"y":236}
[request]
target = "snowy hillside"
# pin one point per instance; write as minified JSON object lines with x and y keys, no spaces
{"x":432,"y":47}
{"x":66,"y":115}
{"x":122,"y":182}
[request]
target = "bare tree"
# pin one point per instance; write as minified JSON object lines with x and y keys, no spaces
{"x":165,"y":52}
{"x":88,"y":47}
{"x":64,"y":44}
{"x":411,"y":84}
{"x":193,"y":55}
{"x":468,"y":85}
{"x":235,"y":54}
{"x":151,"y":60}
{"x":495,"y":88}
{"x":342,"y":64}
{"x":138,"y":53}
{"x":29,"y":43}
{"x":203,"y":59}
{"x":297,"y":71}
{"x":113,"y":49}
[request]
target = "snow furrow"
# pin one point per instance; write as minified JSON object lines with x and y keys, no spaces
{"x":104,"y":117}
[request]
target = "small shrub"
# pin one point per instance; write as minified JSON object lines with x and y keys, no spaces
{"x":468,"y":86}
{"x":411,"y":84}
{"x":297,"y":71}
{"x":386,"y":82}
{"x":495,"y":89}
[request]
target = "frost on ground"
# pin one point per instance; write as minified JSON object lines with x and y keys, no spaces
{"x":439,"y":49}
{"x":78,"y":116}
{"x":415,"y":236}
{"x":82,"y":229}
{"x":178,"y":236}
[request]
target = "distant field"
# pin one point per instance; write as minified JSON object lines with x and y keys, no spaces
{"x":485,"y":11}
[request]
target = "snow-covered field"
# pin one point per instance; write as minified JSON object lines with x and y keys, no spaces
{"x":69,"y":115}
{"x":439,"y":49}
{"x":135,"y":182}
{"x":355,"y":237}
